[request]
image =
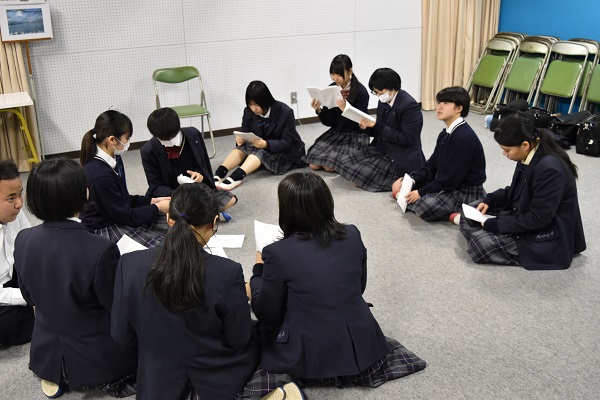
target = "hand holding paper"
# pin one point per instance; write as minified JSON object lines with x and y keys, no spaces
{"x":246,"y":135}
{"x":474,"y":214}
{"x":328,"y":96}
{"x":407,"y":184}
{"x":266,"y":234}
{"x":355,"y":114}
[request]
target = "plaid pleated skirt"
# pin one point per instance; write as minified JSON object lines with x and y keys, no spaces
{"x":223,"y":197}
{"x":398,"y":363}
{"x":150,"y":236}
{"x":488,"y":247}
{"x":368,"y":169}
{"x":439,"y":206}
{"x":277,"y":163}
{"x":332,"y":146}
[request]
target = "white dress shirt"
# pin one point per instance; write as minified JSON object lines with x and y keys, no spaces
{"x":8,"y":233}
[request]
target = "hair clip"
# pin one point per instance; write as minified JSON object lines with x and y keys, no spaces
{"x":184,"y":216}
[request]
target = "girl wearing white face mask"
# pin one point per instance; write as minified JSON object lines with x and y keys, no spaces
{"x":112,"y":211}
{"x":396,"y":147}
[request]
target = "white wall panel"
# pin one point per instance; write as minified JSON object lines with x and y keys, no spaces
{"x":104,"y":53}
{"x":73,"y":89}
{"x":86,"y":25}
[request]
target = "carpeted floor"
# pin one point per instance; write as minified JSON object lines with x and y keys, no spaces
{"x":486,"y":332}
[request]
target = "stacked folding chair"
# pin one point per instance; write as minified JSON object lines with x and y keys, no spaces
{"x":490,"y":71}
{"x":562,"y":77}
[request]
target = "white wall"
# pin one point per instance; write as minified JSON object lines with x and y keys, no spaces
{"x":104,"y":52}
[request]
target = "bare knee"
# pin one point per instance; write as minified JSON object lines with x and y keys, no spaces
{"x":328,"y":169}
{"x":314,"y":167}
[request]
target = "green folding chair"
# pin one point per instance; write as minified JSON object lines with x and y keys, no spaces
{"x":179,"y":75}
{"x":591,"y":98}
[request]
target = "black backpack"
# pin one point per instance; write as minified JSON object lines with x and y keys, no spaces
{"x":504,"y":110}
{"x":588,"y":137}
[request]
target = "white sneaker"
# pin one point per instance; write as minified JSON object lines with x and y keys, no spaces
{"x":217,"y":180}
{"x":228,"y":184}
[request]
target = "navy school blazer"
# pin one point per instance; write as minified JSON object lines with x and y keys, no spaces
{"x":68,"y":274}
{"x":545,"y":218}
{"x":161,"y":179}
{"x":281,"y":134}
{"x":110,"y":201}
{"x":211,"y":346}
{"x":310,"y":297}
{"x":398,"y":134}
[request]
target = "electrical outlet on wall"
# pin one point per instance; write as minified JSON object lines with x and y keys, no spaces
{"x":294,"y":97}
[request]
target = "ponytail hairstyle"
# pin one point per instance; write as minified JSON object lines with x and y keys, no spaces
{"x":177,"y":275}
{"x":515,"y":129}
{"x":341,"y":64}
{"x":306,"y":208}
{"x":109,"y":123}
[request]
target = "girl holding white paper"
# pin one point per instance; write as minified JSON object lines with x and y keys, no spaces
{"x":344,"y":136}
{"x":538,"y":222}
{"x":279,"y":147}
{"x":307,"y":292}
{"x":396,"y":147}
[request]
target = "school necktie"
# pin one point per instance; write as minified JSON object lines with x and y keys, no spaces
{"x":173,"y":152}
{"x":119,"y":169}
{"x":345,"y":93}
{"x":445,"y":137}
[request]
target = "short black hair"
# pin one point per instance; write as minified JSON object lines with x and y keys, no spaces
{"x":457,"y":95}
{"x":8,"y":170}
{"x":164,"y":123}
{"x":257,"y":92}
{"x":56,"y":189}
{"x":385,"y":78}
{"x":306,"y":208}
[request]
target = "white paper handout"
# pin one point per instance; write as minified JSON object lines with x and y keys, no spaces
{"x":246,"y":135}
{"x":126,"y":245}
{"x":216,"y":251}
{"x":328,"y":96}
{"x":475,"y":214}
{"x":266,"y":234}
{"x":181,"y":179}
{"x":226,"y":241}
{"x":407,"y":184}
{"x":355,"y":114}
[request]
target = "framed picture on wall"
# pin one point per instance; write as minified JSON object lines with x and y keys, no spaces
{"x":22,"y":22}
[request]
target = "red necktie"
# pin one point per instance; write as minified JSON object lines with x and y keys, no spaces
{"x":345,"y":93}
{"x":173,"y":152}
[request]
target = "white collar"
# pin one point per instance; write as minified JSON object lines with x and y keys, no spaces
{"x":454,"y":125}
{"x":268,"y":114}
{"x":104,"y":156}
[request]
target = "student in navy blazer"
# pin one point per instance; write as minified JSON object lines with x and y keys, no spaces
{"x":308,"y":296}
{"x":344,"y":136}
{"x":396,"y":146}
{"x":538,"y":222}
{"x":279,"y":148}
{"x":112,"y":211}
{"x":174,"y":154}
{"x":186,"y":309}
{"x":68,"y":274}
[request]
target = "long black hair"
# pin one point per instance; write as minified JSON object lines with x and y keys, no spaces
{"x":340,"y":64}
{"x":515,"y":129}
{"x":109,"y":123}
{"x":306,"y":208}
{"x":177,"y":275}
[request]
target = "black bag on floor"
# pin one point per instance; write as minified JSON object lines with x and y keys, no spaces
{"x":568,"y":125}
{"x":540,"y":117}
{"x":588,"y":138}
{"x":504,"y":110}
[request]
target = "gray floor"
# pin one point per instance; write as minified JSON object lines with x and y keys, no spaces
{"x":486,"y":332}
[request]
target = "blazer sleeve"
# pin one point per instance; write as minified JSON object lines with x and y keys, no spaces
{"x":156,"y":186}
{"x":409,"y":119}
{"x":107,"y":195}
{"x":104,"y":276}
{"x":269,"y":291}
{"x":121,"y":329}
{"x":546,"y":195}
{"x":288,"y":134}
{"x":329,"y":116}
{"x":237,"y":324}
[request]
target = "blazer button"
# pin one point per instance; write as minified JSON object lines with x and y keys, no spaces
{"x":517,"y":236}
{"x":514,"y":210}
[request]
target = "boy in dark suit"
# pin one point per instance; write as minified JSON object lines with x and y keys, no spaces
{"x":16,"y":317}
{"x":178,"y":155}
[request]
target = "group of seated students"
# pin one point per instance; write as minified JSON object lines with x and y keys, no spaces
{"x":174,"y":322}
